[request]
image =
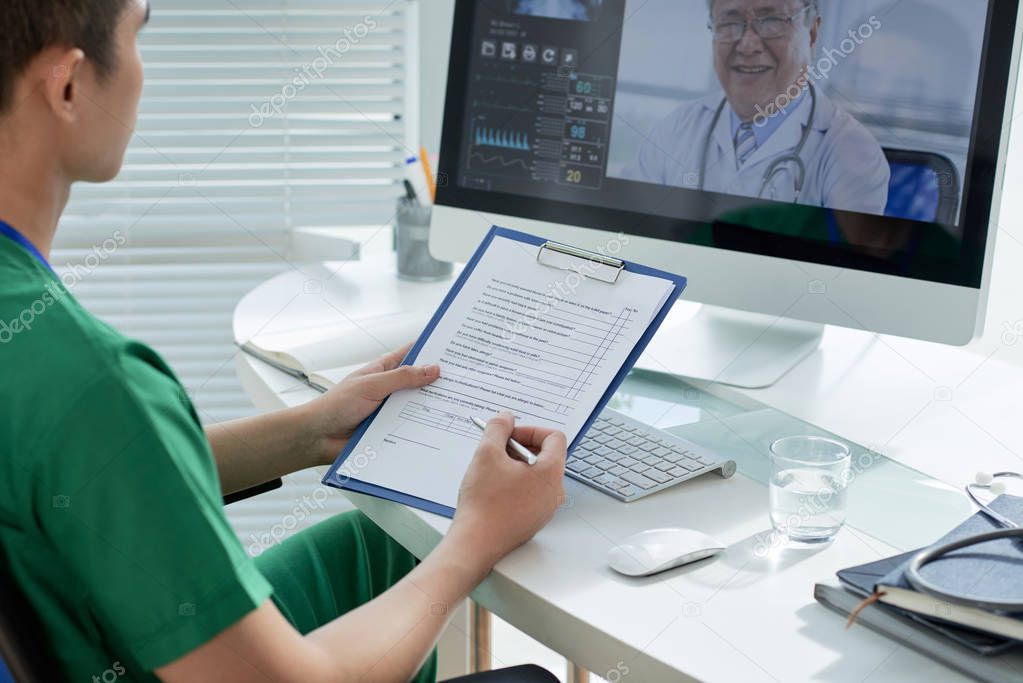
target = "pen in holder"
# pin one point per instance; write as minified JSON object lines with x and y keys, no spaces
{"x":412,"y":235}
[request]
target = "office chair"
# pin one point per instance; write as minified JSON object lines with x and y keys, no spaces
{"x":253,"y":492}
{"x":25,"y":657}
{"x":925,"y":186}
{"x":529,"y":673}
{"x":20,"y":644}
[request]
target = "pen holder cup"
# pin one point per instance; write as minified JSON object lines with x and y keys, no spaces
{"x":412,"y":238}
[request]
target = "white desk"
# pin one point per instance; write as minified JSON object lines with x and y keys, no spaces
{"x":742,"y":617}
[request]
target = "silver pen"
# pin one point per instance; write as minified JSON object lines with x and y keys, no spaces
{"x":517,"y":449}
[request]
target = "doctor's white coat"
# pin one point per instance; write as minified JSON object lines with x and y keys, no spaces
{"x":845,"y":166}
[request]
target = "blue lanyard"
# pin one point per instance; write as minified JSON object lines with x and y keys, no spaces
{"x":13,"y":234}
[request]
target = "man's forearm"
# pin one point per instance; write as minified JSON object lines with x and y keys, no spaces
{"x":384,"y":641}
{"x":501,"y":504}
{"x":396,"y":631}
{"x":256,"y":450}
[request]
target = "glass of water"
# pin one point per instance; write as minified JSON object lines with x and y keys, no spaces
{"x":809,"y":483}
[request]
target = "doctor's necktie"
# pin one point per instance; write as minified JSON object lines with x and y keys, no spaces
{"x":745,"y":143}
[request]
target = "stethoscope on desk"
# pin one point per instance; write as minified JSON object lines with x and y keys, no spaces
{"x":795,"y":158}
{"x":1010,"y":529}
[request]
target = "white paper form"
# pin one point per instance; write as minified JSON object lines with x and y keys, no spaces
{"x":520,"y":336}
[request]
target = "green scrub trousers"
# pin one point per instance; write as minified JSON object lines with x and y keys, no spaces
{"x":324,"y":572}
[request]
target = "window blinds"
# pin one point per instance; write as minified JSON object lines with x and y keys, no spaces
{"x":259,"y":117}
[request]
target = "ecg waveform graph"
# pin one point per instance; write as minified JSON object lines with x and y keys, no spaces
{"x":497,"y":159}
{"x":502,"y":139}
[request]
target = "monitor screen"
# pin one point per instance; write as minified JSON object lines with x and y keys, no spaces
{"x":862,"y":135}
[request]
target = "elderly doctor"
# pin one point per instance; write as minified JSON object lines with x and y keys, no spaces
{"x":771,"y":133}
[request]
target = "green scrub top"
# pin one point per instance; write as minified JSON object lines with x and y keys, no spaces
{"x":111,"y":515}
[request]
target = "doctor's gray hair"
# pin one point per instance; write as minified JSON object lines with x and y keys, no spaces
{"x":813,"y":5}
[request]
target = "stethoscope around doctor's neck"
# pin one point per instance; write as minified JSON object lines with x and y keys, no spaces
{"x":776,"y":167}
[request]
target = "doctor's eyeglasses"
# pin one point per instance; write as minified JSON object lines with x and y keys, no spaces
{"x":768,"y":28}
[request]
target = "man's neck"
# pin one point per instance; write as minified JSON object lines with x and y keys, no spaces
{"x":33,"y":193}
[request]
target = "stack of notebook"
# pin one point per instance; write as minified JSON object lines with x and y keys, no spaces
{"x":980,"y":644}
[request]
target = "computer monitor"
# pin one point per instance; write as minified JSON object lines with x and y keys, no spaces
{"x":809,"y":161}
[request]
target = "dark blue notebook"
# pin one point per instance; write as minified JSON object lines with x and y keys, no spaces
{"x":862,"y":580}
{"x":991,"y":571}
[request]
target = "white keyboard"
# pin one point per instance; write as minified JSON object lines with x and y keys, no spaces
{"x":629,"y":460}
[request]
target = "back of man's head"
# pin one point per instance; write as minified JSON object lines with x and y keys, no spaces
{"x":29,"y":27}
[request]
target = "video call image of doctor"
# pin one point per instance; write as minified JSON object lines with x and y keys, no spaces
{"x":769,"y":132}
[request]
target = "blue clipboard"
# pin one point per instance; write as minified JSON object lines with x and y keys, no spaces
{"x":333,"y":478}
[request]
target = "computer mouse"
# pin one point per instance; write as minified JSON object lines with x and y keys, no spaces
{"x":658,"y":550}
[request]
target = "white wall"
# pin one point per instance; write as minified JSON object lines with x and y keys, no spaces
{"x":1006,"y":305}
{"x":435,"y":19}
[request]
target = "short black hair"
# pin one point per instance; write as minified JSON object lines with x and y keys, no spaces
{"x":30,"y":26}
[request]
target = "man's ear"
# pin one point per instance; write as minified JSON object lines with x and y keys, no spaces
{"x":815,"y":31}
{"x":65,"y":70}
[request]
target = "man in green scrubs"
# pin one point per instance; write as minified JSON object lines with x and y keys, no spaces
{"x":111,"y":515}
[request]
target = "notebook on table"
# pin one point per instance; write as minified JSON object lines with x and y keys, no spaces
{"x":895,"y":625}
{"x":980,"y":644}
{"x":323,"y":355}
{"x":862,"y":580}
{"x":993,"y":570}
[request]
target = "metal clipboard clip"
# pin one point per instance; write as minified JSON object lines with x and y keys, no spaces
{"x":594,"y":266}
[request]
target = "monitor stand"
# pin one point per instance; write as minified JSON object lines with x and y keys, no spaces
{"x":720,"y":345}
